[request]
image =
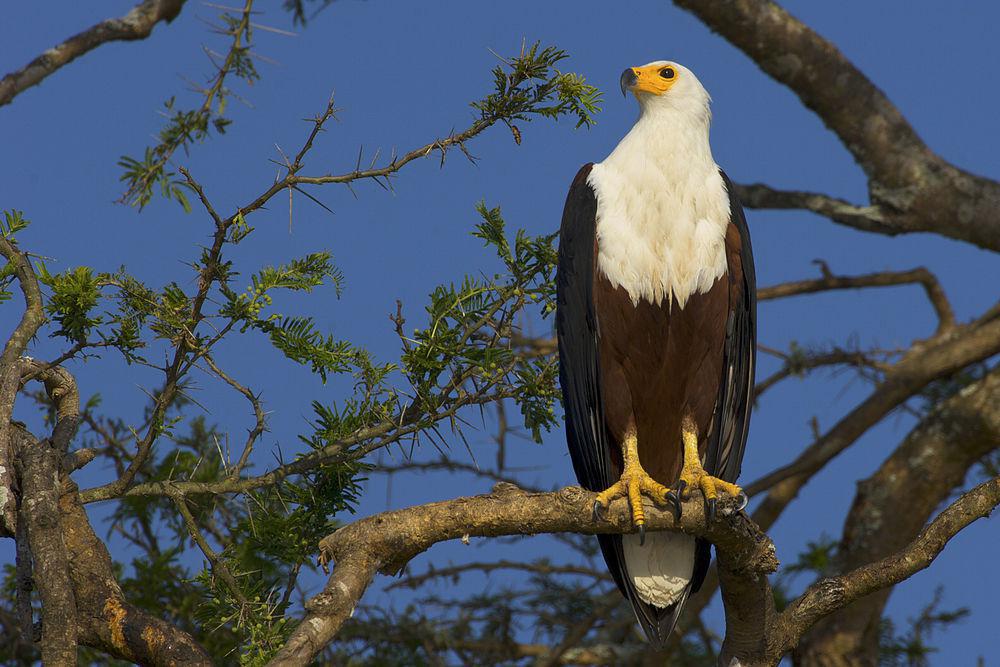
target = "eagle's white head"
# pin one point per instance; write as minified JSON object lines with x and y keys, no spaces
{"x":669,"y":89}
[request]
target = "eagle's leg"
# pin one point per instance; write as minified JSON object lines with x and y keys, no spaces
{"x":633,"y":483}
{"x":693,"y":475}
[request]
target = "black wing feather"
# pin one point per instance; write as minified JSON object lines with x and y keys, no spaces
{"x":578,"y":331}
{"x":728,"y":438}
{"x":576,"y":326}
{"x":724,"y":456}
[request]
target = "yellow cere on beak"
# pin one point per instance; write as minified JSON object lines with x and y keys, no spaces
{"x":652,"y":79}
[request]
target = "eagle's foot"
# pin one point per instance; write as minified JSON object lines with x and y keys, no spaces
{"x":633,"y":484}
{"x":693,"y":476}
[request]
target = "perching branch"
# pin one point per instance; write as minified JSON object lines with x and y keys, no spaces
{"x":386,"y":542}
{"x":137,"y":24}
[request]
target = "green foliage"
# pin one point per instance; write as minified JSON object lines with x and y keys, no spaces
{"x":471,"y":327}
{"x":818,"y":558}
{"x":13,"y":222}
{"x":533,"y":86}
{"x":465,"y":354}
{"x":189,"y":126}
{"x":296,"y":337}
{"x":74,"y":294}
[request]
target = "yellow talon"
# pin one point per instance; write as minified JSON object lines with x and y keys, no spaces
{"x":693,"y":475}
{"x":633,"y":483}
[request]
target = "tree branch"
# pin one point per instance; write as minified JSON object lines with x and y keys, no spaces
{"x":829,"y":281}
{"x":137,"y":24}
{"x":453,"y":572}
{"x":865,"y":218}
{"x":10,"y":374}
{"x":911,"y":188}
{"x":921,"y":365}
{"x":38,"y":468}
{"x":107,"y":620}
{"x":828,"y":595}
{"x":921,"y":473}
{"x":386,"y":542}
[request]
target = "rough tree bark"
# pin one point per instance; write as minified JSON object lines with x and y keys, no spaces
{"x":137,"y":24}
{"x":386,"y":542}
{"x":911,"y":188}
{"x":893,"y":505}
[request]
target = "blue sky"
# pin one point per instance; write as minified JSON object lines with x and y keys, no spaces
{"x":403,"y":74}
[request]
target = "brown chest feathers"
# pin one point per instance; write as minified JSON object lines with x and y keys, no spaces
{"x":658,"y":364}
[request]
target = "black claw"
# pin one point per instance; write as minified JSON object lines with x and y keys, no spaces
{"x":681,"y":488}
{"x":712,"y":507}
{"x":672,"y":497}
{"x":597,"y":510}
{"x":743,"y":501}
{"x":642,"y":534}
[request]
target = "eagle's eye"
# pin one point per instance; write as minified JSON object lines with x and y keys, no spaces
{"x":668,"y":73}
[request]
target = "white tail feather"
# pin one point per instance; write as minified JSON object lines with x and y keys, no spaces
{"x":661,"y":568}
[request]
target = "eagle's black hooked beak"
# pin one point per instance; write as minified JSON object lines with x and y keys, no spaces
{"x":628,"y":80}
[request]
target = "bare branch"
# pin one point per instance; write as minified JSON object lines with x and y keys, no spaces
{"x":373,"y":174}
{"x":829,"y":595}
{"x":450,"y":466}
{"x":829,"y":281}
{"x":260,"y":424}
{"x":893,"y":505}
{"x":922,"y":364}
{"x":137,"y":24}
{"x":911,"y":188}
{"x":799,"y":365}
{"x":865,"y":218}
{"x":219,"y":568}
{"x":386,"y":542}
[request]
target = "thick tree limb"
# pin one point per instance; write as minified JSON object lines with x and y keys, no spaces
{"x":930,"y":463}
{"x":10,"y":374}
{"x":38,"y":509}
{"x":911,"y":188}
{"x":107,"y":621}
{"x":386,"y":542}
{"x":137,"y":24}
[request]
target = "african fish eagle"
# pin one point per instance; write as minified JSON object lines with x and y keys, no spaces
{"x":656,"y":320}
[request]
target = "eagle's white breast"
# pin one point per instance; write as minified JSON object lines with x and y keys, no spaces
{"x":660,"y":237}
